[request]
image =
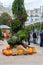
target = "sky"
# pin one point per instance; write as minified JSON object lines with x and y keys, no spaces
{"x":30,"y":4}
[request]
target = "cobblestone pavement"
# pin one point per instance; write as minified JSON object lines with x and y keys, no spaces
{"x":35,"y":59}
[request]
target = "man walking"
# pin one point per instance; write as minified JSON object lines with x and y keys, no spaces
{"x":41,"y":37}
{"x":34,"y":37}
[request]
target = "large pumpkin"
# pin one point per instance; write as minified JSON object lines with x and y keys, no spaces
{"x":10,"y":52}
{"x":7,"y":52}
{"x":20,"y":52}
{"x":4,"y":51}
{"x":30,"y":51}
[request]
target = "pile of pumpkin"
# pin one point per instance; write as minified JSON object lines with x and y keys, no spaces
{"x":9,"y":52}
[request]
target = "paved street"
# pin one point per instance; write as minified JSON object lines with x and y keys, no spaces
{"x":35,"y":59}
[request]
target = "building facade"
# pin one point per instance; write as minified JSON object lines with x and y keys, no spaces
{"x":35,"y":15}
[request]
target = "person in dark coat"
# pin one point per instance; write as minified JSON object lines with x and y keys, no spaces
{"x":28,"y":38}
{"x":41,"y":38}
{"x":34,"y":37}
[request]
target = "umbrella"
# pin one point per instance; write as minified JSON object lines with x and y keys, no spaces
{"x":4,"y":27}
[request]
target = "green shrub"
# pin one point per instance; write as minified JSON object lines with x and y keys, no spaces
{"x":15,"y":26}
{"x":14,"y":38}
{"x":21,"y":35}
{"x":12,"y":41}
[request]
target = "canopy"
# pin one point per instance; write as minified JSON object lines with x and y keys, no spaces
{"x":4,"y":27}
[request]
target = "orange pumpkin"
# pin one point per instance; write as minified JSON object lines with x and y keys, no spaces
{"x":30,"y":51}
{"x":20,"y":52}
{"x":34,"y":51}
{"x":10,"y":52}
{"x":4,"y":51}
{"x":7,"y":53}
{"x":8,"y":47}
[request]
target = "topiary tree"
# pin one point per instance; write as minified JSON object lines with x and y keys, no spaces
{"x":18,"y":7}
{"x":19,"y":12}
{"x":20,"y":16}
{"x":15,"y":26}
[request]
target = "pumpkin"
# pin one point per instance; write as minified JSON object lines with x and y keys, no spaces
{"x":20,"y":52}
{"x":7,"y":53}
{"x":34,"y":51}
{"x":10,"y":52}
{"x":8,"y":47}
{"x":30,"y":51}
{"x":4,"y":51}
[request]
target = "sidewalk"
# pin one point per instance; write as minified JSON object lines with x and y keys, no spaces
{"x":35,"y":59}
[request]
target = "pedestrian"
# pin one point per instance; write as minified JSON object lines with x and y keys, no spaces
{"x":34,"y":37}
{"x":38,"y":38}
{"x":41,"y":38}
{"x":31,"y":38}
{"x":28,"y":38}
